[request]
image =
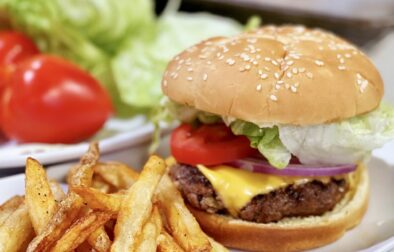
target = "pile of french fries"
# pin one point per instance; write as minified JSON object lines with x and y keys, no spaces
{"x":108,"y":207}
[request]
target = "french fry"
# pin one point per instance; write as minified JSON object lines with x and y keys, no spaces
{"x":137,"y":206}
{"x":100,"y":184}
{"x":150,"y":232}
{"x":167,"y":244}
{"x":99,"y":200}
{"x":80,"y":231}
{"x":82,"y":173}
{"x":39,"y":198}
{"x":182,"y":224}
{"x":99,"y":240}
{"x":67,"y":212}
{"x":57,"y":190}
{"x":16,"y":231}
{"x":117,"y":174}
{"x":9,"y":207}
{"x":216,"y":246}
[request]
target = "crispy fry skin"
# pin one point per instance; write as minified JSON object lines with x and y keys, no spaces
{"x":82,"y":173}
{"x":9,"y":207}
{"x":99,"y":240}
{"x":137,"y":206}
{"x":150,"y":232}
{"x":167,"y":244}
{"x":99,"y":200}
{"x":117,"y":174}
{"x":39,"y":198}
{"x":80,"y":231}
{"x":16,"y":231}
{"x":68,"y":211}
{"x":182,"y":224}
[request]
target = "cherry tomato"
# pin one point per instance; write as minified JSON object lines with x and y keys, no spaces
{"x":50,"y":100}
{"x":209,"y":144}
{"x":14,"y":48}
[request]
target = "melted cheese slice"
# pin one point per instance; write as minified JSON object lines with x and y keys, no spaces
{"x":237,"y":187}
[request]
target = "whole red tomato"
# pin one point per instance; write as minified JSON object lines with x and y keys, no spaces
{"x":14,"y":48}
{"x":50,"y":100}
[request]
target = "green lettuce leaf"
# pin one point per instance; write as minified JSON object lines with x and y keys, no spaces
{"x":139,"y":65}
{"x":266,"y":140}
{"x":347,"y":141}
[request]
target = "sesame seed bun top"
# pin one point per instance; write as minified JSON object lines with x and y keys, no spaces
{"x":280,"y":75}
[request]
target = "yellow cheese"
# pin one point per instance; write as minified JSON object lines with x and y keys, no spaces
{"x":237,"y":187}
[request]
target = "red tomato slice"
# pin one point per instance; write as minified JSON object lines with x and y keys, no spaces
{"x":210,"y":144}
{"x":50,"y":100}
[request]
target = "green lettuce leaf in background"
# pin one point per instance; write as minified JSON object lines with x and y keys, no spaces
{"x":122,"y":43}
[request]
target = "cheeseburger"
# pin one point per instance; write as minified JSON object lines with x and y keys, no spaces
{"x":276,"y":124}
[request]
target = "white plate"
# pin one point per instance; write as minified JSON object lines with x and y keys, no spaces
{"x":116,"y":134}
{"x":377,"y":225}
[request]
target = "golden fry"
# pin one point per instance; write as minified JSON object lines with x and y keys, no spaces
{"x":16,"y":231}
{"x":150,"y":232}
{"x":100,"y":184}
{"x":117,"y":174}
{"x":80,"y":231}
{"x":9,"y":207}
{"x":82,"y":173}
{"x":99,"y":240}
{"x":39,"y":198}
{"x":137,"y":206}
{"x":167,"y":244}
{"x":99,"y":200}
{"x":68,"y":211}
{"x":182,"y":224}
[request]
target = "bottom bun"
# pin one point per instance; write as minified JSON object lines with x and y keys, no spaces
{"x":291,"y":234}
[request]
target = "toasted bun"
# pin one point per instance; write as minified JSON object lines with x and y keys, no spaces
{"x":279,"y":75}
{"x":291,"y":234}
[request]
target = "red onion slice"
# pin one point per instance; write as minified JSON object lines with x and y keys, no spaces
{"x":262,"y":166}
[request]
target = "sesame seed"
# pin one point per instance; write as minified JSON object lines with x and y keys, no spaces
{"x":339,"y":56}
{"x":264,"y":76}
{"x":252,"y":40}
{"x":209,"y":62}
{"x":309,"y":75}
{"x":188,"y":63}
{"x":277,"y":86}
{"x":294,"y":70}
{"x":258,"y":87}
{"x":274,"y":62}
{"x":255,"y":62}
{"x":202,"y":56}
{"x":289,"y":74}
{"x":190,"y":69}
{"x":230,"y":61}
{"x":165,"y":83}
{"x":247,"y":67}
{"x":260,"y":71}
{"x":174,"y":75}
{"x":258,"y":57}
{"x":277,"y":75}
{"x":267,"y":59}
{"x":273,"y":97}
{"x":205,"y":77}
{"x":293,"y":89}
{"x":301,"y":70}
{"x":348,"y":55}
{"x":287,"y":86}
{"x":280,"y":82}
{"x":359,"y":75}
{"x":241,"y":69}
{"x":181,"y":62}
{"x":189,"y":78}
{"x":267,"y":69}
{"x":341,"y":67}
{"x":296,"y":84}
{"x":319,"y":62}
{"x":221,"y":57}
{"x":177,"y":58}
{"x":342,"y":60}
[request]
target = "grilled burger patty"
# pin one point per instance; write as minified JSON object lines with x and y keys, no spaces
{"x":311,"y":198}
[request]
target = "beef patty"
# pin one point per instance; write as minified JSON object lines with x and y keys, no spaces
{"x":311,"y":198}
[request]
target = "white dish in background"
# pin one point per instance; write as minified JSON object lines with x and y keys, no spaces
{"x":376,"y":227}
{"x":116,"y":135}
